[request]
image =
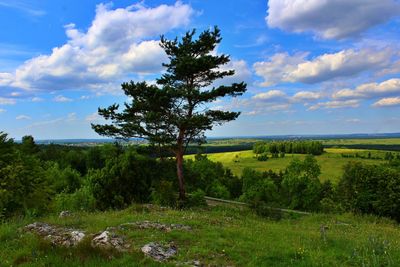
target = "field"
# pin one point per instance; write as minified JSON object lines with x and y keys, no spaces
{"x":220,"y":236}
{"x":331,"y":162}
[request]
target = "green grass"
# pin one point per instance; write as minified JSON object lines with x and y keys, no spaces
{"x":221,"y":236}
{"x":331,"y":162}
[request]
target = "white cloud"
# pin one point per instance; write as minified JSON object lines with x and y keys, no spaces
{"x":387,"y":102}
{"x":306,"y":96}
{"x":283,"y":67}
{"x":2,"y":110}
{"x":7,"y":101}
{"x":119,"y":42}
{"x":36,"y":99}
{"x":23,"y":117}
{"x":272,"y":95}
{"x":330,"y":19}
{"x":61,"y":98}
{"x":278,"y":68}
{"x":94,"y":117}
{"x":335,"y":104}
{"x":242,"y":72}
{"x":370,"y":90}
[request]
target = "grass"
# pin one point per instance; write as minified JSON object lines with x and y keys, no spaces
{"x":331,"y":162}
{"x":221,"y":236}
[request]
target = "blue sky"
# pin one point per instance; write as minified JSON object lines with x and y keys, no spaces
{"x":312,"y":67}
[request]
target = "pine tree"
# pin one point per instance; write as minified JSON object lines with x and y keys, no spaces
{"x":173,"y":112}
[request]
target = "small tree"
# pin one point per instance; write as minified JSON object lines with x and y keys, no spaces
{"x":173,"y":113}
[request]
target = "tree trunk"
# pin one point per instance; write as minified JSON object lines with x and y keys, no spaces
{"x":179,"y":171}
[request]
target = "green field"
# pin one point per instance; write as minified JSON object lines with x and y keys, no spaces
{"x":331,"y":162}
{"x":221,"y":236}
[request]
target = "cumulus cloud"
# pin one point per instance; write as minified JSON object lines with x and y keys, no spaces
{"x":330,"y":19}
{"x":387,"y":102}
{"x":119,"y":42}
{"x":370,"y":90}
{"x":23,"y":117}
{"x":272,"y":95}
{"x":306,"y":96}
{"x":283,"y":67}
{"x":335,"y":104}
{"x":61,"y":98}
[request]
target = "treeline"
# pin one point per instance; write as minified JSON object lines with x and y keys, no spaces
{"x":39,"y":179}
{"x":294,"y":147}
{"x":367,"y":146}
{"x":387,"y":156}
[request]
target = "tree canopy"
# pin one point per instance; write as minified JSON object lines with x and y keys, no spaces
{"x":174,"y":112}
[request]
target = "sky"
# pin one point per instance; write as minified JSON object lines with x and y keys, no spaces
{"x":311,"y":66}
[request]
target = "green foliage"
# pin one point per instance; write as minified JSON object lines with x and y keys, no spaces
{"x":292,"y":147}
{"x":63,"y":180}
{"x":6,"y":149}
{"x":262,"y":157}
{"x":196,"y":199}
{"x":23,"y":186}
{"x":164,"y":194}
{"x":212,"y":178}
{"x":125,"y":179}
{"x":81,"y":199}
{"x":301,"y":184}
{"x":169,"y":112}
{"x":28,"y":145}
{"x":372,"y":189}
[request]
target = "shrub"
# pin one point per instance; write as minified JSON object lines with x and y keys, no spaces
{"x":81,"y":199}
{"x":373,"y":189}
{"x":164,"y":194}
{"x":262,"y":157}
{"x":196,"y":199}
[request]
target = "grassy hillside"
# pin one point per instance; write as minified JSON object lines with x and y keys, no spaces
{"x":221,"y":236}
{"x":331,"y":162}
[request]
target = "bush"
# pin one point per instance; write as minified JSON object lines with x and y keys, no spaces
{"x":372,"y":189}
{"x":196,"y":199}
{"x":301,"y":184}
{"x":164,"y":194}
{"x":262,"y":157}
{"x":81,"y":199}
{"x":126,"y":179}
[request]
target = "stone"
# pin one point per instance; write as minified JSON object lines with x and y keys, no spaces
{"x":157,"y":226}
{"x":58,"y":236}
{"x":109,"y":240}
{"x":159,"y":252}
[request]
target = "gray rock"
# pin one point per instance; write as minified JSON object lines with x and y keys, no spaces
{"x":159,"y":252}
{"x":109,"y":240}
{"x":58,"y":236}
{"x":156,"y":225}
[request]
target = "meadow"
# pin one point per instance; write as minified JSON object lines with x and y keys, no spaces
{"x":331,"y":162}
{"x":220,"y":236}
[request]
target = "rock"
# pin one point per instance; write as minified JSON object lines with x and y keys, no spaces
{"x":109,"y":240}
{"x":159,"y":252}
{"x":58,"y":236}
{"x":65,"y":213}
{"x":158,"y":226}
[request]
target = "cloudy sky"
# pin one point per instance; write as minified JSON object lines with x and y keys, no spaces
{"x":312,"y":67}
